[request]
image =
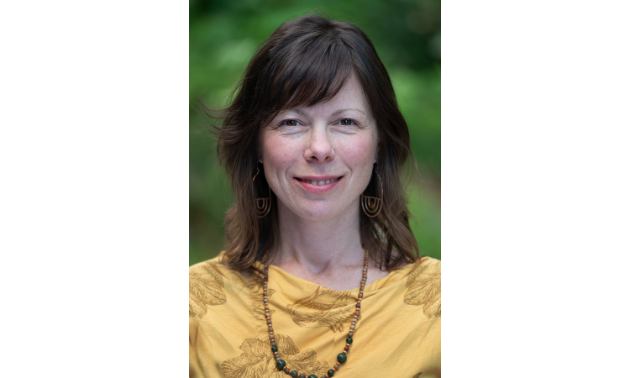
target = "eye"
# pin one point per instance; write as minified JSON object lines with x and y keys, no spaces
{"x":346,"y":122}
{"x":290,"y":122}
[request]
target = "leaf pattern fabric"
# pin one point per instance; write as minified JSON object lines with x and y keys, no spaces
{"x":424,"y":289}
{"x":206,"y":289}
{"x":257,"y":362}
{"x":324,"y":308}
{"x":398,"y":329}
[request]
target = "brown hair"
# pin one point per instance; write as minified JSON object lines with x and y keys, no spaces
{"x":304,"y":62}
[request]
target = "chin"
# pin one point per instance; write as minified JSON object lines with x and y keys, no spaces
{"x":319,"y":213}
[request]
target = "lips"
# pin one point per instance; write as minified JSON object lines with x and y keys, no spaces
{"x":318,"y":181}
{"x":317,"y":184}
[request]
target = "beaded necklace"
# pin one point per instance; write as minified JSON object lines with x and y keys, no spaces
{"x":341,"y":357}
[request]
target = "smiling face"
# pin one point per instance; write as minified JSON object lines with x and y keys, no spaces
{"x":318,"y":160}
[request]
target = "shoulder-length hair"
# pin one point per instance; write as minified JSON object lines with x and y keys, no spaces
{"x":304,"y":62}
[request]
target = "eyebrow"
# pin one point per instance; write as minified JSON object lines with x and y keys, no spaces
{"x":299,"y":111}
{"x":343,"y":110}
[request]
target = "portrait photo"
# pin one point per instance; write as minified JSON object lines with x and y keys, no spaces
{"x":314,"y":245}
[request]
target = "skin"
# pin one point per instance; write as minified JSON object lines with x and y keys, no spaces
{"x":319,"y":232}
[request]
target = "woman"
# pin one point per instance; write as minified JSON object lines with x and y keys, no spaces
{"x":320,"y":274}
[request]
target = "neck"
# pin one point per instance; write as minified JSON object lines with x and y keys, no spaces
{"x":318,"y":246}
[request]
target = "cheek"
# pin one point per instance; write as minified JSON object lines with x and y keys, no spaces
{"x":277,"y":153}
{"x":359,"y":153}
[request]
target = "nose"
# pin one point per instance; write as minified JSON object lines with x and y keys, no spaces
{"x":320,"y":148}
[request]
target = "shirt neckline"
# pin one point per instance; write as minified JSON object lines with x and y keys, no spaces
{"x":374,"y":286}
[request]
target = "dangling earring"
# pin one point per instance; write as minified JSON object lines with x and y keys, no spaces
{"x":372,"y":206}
{"x":263,"y":205}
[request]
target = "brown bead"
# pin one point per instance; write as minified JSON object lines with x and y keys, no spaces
{"x":336,"y":367}
{"x":358,"y":305}
{"x":270,"y":329}
{"x":346,"y":349}
{"x":272,"y":337}
{"x":360,"y":295}
{"x":350,"y":334}
{"x":356,"y":313}
{"x":286,"y":370}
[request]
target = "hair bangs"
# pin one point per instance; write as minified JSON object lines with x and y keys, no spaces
{"x":316,"y":72}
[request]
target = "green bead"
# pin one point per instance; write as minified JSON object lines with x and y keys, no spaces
{"x":312,"y":376}
{"x":302,"y":375}
{"x":274,"y":349}
{"x":349,"y":340}
{"x":294,"y":373}
{"x":341,"y":357}
{"x":331,"y":373}
{"x":280,"y":364}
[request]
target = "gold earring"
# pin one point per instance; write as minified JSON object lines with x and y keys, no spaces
{"x":372,"y":206}
{"x":263,"y":205}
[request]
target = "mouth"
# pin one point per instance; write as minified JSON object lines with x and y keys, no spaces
{"x":318,"y":184}
{"x":318,"y":181}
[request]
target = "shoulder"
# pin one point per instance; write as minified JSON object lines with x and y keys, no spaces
{"x":206,"y":282}
{"x":212,"y":283}
{"x":425,"y":265}
{"x":208,"y":271}
{"x":424,"y":286}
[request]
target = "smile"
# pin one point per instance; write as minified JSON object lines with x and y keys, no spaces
{"x":320,"y":182}
{"x":318,"y":185}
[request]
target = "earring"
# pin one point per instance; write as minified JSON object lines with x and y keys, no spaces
{"x":263,"y":205}
{"x":372,"y":206}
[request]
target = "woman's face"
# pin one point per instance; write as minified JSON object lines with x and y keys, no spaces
{"x":318,"y":160}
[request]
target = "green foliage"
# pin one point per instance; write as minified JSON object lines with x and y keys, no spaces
{"x":223,"y":37}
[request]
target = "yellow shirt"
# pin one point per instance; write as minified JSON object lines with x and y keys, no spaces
{"x":397,"y":335}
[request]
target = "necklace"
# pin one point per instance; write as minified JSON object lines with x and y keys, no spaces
{"x":341,"y":357}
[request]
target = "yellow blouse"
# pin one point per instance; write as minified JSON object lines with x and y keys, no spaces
{"x":397,"y":335}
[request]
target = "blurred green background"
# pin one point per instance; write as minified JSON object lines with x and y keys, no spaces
{"x":224,"y":35}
